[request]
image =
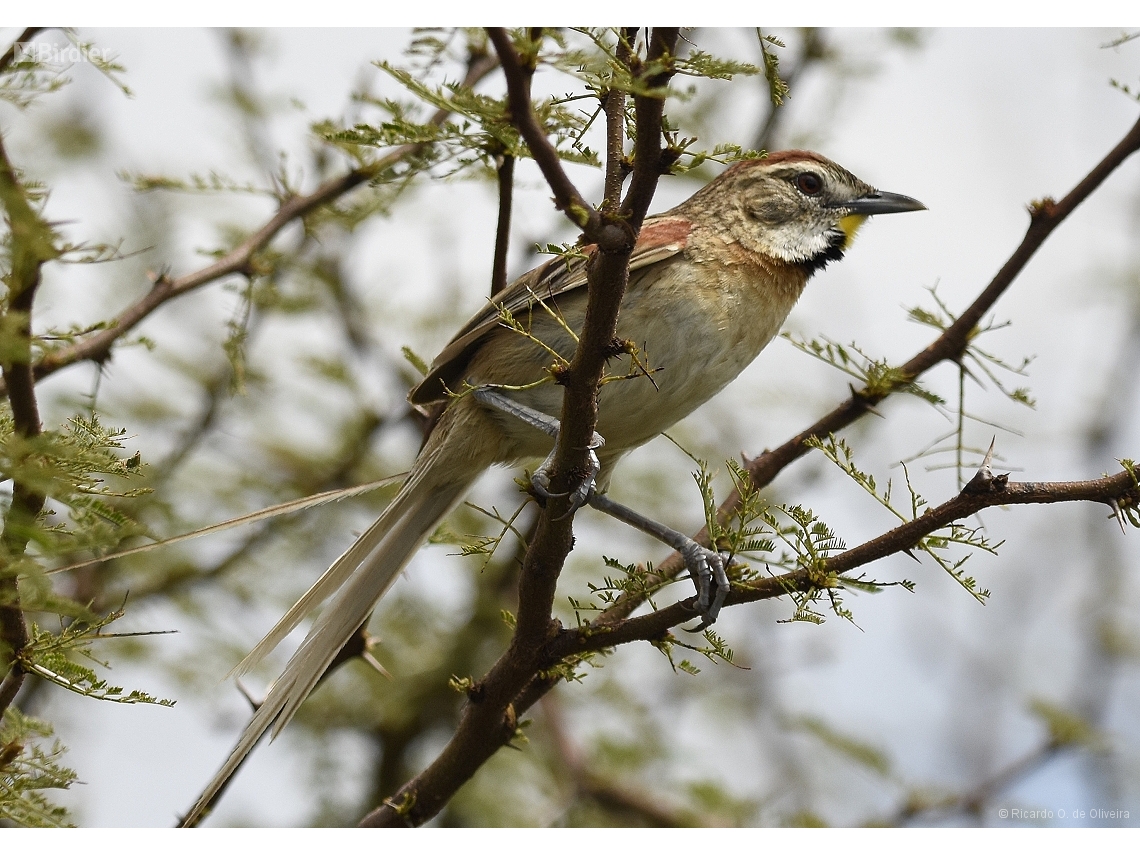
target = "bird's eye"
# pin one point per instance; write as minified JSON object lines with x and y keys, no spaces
{"x":809,"y":183}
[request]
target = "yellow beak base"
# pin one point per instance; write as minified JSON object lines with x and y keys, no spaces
{"x":849,"y":225}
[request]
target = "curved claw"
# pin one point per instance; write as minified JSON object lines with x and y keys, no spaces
{"x":540,"y":480}
{"x":706,"y":566}
{"x":580,"y":495}
{"x":540,"y":483}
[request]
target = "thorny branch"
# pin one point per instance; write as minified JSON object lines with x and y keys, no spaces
{"x":982,"y":492}
{"x":986,"y":491}
{"x":1045,"y":216}
{"x":489,"y":721}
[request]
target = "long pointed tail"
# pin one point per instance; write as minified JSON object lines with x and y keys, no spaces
{"x":332,"y":579}
{"x":363,"y":574}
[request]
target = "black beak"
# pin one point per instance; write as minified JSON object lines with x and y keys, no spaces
{"x":878,"y":202}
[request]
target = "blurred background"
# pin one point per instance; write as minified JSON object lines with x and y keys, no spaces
{"x":928,"y":708}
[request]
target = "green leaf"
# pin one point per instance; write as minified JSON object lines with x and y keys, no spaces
{"x":28,"y":768}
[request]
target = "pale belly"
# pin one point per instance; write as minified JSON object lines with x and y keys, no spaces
{"x":692,"y":348}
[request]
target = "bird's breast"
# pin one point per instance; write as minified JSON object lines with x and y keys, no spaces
{"x":697,"y":325}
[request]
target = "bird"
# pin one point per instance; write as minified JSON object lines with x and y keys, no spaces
{"x":711,"y":281}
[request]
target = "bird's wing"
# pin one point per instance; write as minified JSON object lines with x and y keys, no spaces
{"x":660,"y":238}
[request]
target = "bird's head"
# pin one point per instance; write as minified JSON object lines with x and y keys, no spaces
{"x":794,"y":206}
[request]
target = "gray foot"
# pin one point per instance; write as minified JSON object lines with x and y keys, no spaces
{"x":540,"y":480}
{"x":705,"y":565}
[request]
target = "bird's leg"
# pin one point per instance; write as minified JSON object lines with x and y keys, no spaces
{"x":549,"y":425}
{"x":705,"y":565}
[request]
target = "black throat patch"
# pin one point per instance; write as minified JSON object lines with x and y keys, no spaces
{"x":834,"y":252}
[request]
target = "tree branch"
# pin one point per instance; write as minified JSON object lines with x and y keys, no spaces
{"x":489,"y":720}
{"x":1045,"y":216}
{"x":32,"y":243}
{"x":588,"y":785}
{"x":240,"y":259}
{"x":506,"y":176}
{"x":613,"y":103}
{"x":981,"y":492}
{"x":648,"y":164}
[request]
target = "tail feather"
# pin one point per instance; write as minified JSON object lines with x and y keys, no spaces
{"x":356,"y":600}
{"x":329,"y":582}
{"x":365,"y":571}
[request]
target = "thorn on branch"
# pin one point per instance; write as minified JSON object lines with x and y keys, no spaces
{"x":374,"y":663}
{"x":619,"y":346}
{"x":984,"y":480}
{"x":865,"y":398}
{"x":989,"y":459}
{"x":1118,"y":514}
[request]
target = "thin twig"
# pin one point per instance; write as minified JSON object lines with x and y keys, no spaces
{"x":9,"y":55}
{"x":614,"y":105}
{"x":814,"y":50}
{"x":648,"y":164}
{"x":506,"y":175}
